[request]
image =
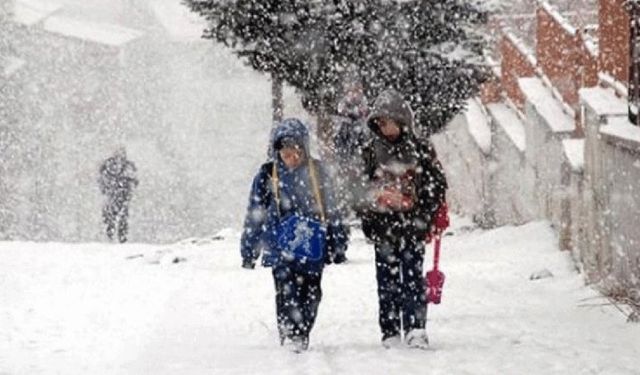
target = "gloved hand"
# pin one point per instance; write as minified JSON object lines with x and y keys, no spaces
{"x":339,"y":257}
{"x":439,"y":223}
{"x":335,"y":257}
{"x":441,"y":218}
{"x":394,"y":199}
{"x":248,"y":264}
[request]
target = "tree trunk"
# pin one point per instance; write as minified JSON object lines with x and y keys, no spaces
{"x":276,"y":99}
{"x":324,"y":131}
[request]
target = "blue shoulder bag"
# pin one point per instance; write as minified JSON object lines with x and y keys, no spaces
{"x":301,"y":239}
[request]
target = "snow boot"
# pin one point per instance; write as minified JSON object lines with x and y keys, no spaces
{"x":340,"y":258}
{"x":391,"y":342}
{"x":417,"y":339}
{"x":299,"y":344}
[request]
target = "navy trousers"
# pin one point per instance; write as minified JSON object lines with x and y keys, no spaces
{"x":401,"y":290}
{"x":298,"y":296}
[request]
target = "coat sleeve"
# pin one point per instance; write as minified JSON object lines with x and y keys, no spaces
{"x":130,"y":172}
{"x":102,"y":179}
{"x":251,"y":242}
{"x":433,"y":186}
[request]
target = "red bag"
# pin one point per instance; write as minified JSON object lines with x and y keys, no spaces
{"x":434,"y":279}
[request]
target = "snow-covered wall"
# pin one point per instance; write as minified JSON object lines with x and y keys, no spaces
{"x":463,"y":149}
{"x":513,"y":179}
{"x":537,"y":169}
{"x":547,"y":125}
{"x":610,"y":247}
{"x":611,"y":250}
{"x":490,"y":178}
{"x":620,"y":145}
{"x":507,"y":170}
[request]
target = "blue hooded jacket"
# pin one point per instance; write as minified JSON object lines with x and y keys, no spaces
{"x":296,"y":196}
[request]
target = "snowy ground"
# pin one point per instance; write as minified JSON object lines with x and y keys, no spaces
{"x":111,"y":309}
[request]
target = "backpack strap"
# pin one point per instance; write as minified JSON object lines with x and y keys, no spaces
{"x":275,"y":180}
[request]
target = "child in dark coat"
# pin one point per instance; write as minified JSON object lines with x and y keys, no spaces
{"x":292,"y":184}
{"x":406,"y":207}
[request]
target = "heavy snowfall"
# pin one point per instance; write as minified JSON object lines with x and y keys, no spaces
{"x":189,"y":308}
{"x":84,"y":80}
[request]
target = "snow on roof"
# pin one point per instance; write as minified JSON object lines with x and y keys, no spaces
{"x":10,"y":64}
{"x":29,"y":12}
{"x":559,"y":18}
{"x":574,"y":152}
{"x":546,"y":105}
{"x":178,"y":20}
{"x":592,"y":45}
{"x":622,"y":130}
{"x":610,"y":81}
{"x":103,"y":33}
{"x":509,"y":121}
{"x":522,"y":47}
{"x":603,"y":101}
{"x":478,"y":125}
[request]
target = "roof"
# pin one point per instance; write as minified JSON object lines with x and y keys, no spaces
{"x":546,"y":105}
{"x":603,"y":101}
{"x":478,"y":125}
{"x":574,"y":152}
{"x":508,"y":120}
{"x":623,"y":132}
{"x":29,"y":12}
{"x":103,"y":33}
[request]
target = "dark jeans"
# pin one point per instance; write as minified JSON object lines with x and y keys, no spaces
{"x":298,"y":296}
{"x":401,"y":290}
{"x":114,"y":215}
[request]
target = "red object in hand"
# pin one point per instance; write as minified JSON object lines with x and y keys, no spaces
{"x":439,"y":223}
{"x":441,"y":218}
{"x":434,"y":279}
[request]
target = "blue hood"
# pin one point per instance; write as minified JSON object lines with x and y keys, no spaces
{"x":289,"y":128}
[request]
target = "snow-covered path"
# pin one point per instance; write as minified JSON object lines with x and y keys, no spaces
{"x":107,"y":309}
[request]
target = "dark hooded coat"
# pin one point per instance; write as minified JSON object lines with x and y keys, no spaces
{"x":117,"y":178}
{"x":410,"y":154}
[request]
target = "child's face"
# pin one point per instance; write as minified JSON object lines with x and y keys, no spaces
{"x":292,"y":156}
{"x":389,"y":128}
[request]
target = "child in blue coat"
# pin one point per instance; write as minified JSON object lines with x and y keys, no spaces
{"x":293,"y":184}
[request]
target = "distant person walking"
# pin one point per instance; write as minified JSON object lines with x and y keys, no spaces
{"x":351,"y":135}
{"x":117,"y":180}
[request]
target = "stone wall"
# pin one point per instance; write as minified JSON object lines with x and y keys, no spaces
{"x":512,"y":176}
{"x":611,"y":244}
{"x":588,"y":188}
{"x":467,"y":167}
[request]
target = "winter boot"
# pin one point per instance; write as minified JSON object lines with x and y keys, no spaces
{"x":417,"y":339}
{"x":123,"y":228}
{"x":340,"y":258}
{"x":299,"y":344}
{"x":111,"y":230}
{"x":391,"y":342}
{"x":282,"y":334}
